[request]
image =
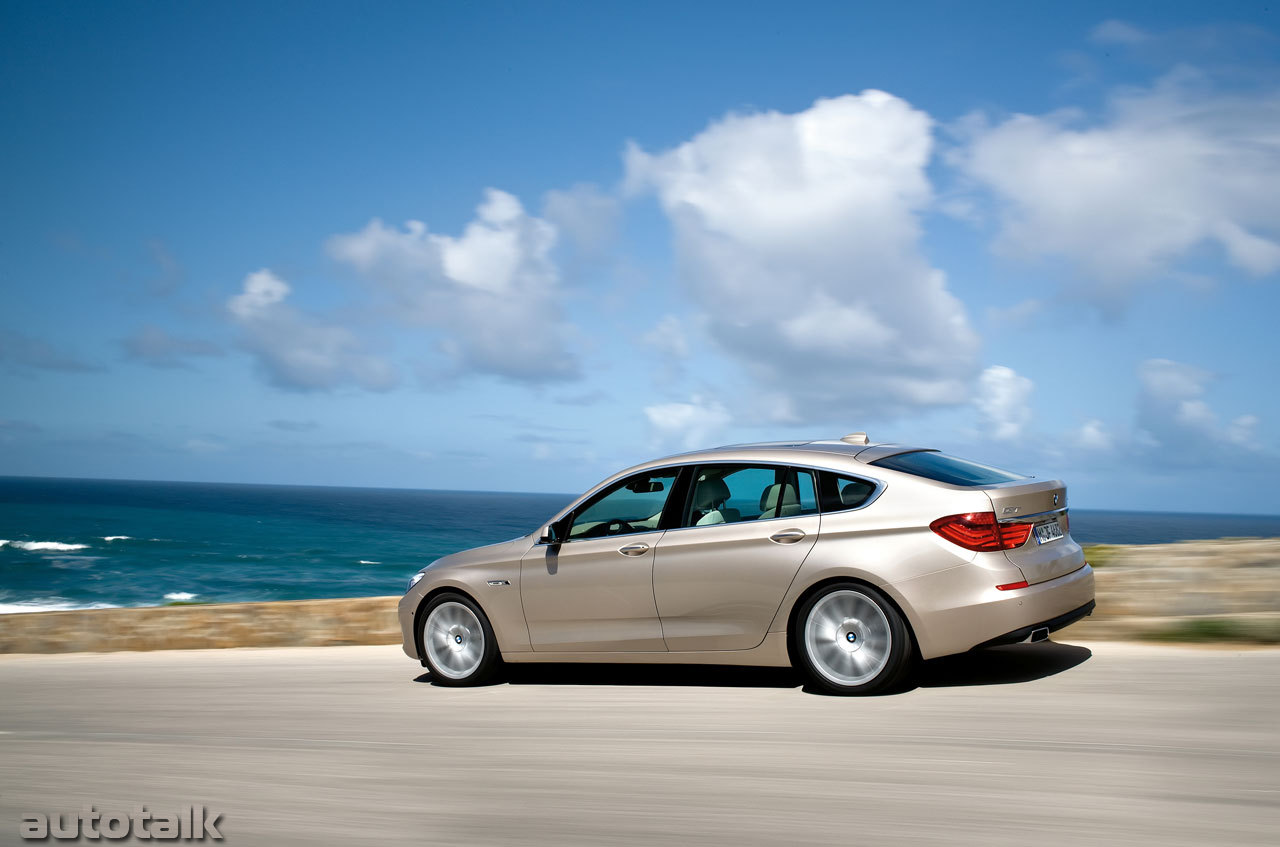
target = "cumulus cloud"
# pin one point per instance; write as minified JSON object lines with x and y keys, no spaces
{"x":492,"y":293}
{"x":1003,"y":400}
{"x":687,"y":426}
{"x":158,"y":348}
{"x":1117,"y":32}
{"x":798,"y":236}
{"x":1172,"y":411}
{"x":1093,"y":435}
{"x":1169,"y":170}
{"x":299,"y":352}
{"x":586,"y":216}
{"x":668,"y":338}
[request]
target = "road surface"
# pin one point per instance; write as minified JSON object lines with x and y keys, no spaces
{"x":1036,"y":744}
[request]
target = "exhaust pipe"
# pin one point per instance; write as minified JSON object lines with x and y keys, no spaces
{"x":1041,"y":634}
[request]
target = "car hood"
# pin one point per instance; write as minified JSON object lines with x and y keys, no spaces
{"x":486,"y":555}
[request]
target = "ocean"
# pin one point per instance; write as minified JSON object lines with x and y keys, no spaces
{"x":74,"y":543}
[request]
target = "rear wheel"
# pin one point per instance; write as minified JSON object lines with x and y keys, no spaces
{"x":457,"y":641}
{"x":851,"y":640}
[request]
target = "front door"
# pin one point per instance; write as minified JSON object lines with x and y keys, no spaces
{"x":719,"y":578}
{"x":593,"y":592}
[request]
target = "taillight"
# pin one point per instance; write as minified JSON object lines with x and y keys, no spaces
{"x":981,"y":531}
{"x":1066,"y":524}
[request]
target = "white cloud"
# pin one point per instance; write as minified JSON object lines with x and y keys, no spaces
{"x":1003,"y":401}
{"x":797,"y":235}
{"x":687,"y":426}
{"x":296,"y":351}
{"x":1019,"y":314}
{"x":1173,"y":412}
{"x":1243,"y":432}
{"x":1093,"y":435}
{"x":587,"y":216}
{"x":492,"y":293}
{"x":1117,"y":32}
{"x":1170,"y":169}
{"x":668,"y":337}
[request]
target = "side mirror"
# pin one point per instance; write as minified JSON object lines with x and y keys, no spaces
{"x":551,"y":534}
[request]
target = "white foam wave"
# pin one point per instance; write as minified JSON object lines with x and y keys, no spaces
{"x":180,"y":595}
{"x":367,"y":562}
{"x":115,"y":538}
{"x":48,"y":604}
{"x":56,"y":546}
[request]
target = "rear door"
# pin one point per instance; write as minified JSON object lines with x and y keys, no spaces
{"x":719,"y":577}
{"x":1049,"y":551}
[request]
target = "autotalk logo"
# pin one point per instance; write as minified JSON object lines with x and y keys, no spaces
{"x":189,"y":823}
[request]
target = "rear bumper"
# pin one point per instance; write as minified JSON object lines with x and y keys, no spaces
{"x":1053,"y":625}
{"x":960,"y":608}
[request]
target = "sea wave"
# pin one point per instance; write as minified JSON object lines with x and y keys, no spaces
{"x":48,"y":604}
{"x":180,"y":595}
{"x":56,"y":546}
{"x":116,"y":538}
{"x":367,"y":562}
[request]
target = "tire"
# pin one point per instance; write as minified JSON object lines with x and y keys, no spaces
{"x":849,"y":639}
{"x":458,"y":644}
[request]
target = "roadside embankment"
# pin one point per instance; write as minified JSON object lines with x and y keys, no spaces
{"x":1220,"y":590}
{"x":297,"y":623}
{"x":1223,"y":590}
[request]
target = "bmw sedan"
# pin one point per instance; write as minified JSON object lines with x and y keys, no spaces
{"x":846,"y":559}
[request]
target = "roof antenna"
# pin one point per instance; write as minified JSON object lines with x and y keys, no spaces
{"x":856,"y":438}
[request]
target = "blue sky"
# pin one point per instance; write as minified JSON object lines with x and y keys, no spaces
{"x":518,"y":246}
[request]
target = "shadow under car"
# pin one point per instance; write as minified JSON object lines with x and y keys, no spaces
{"x":1012,"y":664}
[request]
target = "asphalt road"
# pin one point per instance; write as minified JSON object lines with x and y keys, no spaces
{"x":1036,"y":744}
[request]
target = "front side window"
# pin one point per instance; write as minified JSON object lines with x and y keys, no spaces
{"x":633,"y":505}
{"x":736,"y":493}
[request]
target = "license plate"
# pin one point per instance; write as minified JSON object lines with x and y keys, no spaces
{"x":1046,"y":532}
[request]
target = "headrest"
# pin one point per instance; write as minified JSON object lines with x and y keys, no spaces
{"x":769,"y":498}
{"x":708,"y":493}
{"x":855,"y":492}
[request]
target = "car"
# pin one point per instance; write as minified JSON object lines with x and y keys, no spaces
{"x":847,"y":559}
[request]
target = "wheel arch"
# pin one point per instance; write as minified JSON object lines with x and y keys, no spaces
{"x":837,"y":579}
{"x":422,"y":608}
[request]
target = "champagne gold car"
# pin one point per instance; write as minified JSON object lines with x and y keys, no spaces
{"x":847,"y":559}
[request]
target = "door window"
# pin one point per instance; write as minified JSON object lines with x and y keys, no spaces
{"x":633,"y":505}
{"x":735,"y":493}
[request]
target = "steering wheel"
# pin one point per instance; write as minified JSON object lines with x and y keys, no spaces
{"x":622,"y":526}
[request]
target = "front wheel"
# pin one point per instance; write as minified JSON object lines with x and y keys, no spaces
{"x":457,"y":641}
{"x":851,"y":640}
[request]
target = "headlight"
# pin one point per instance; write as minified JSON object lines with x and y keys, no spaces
{"x":413,"y":580}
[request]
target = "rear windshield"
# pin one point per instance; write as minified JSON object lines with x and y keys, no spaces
{"x":940,"y":467}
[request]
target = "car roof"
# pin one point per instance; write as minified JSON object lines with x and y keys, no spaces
{"x":787,"y":451}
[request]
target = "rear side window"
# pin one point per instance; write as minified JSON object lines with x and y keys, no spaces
{"x":940,"y":467}
{"x":840,"y":492}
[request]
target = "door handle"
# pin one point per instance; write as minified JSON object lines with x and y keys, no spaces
{"x":787,"y":536}
{"x":634,"y":549}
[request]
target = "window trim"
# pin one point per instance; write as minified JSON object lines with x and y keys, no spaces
{"x":684,"y":474}
{"x":601,"y":492}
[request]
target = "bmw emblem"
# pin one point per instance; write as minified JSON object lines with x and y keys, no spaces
{"x":1055,"y":499}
